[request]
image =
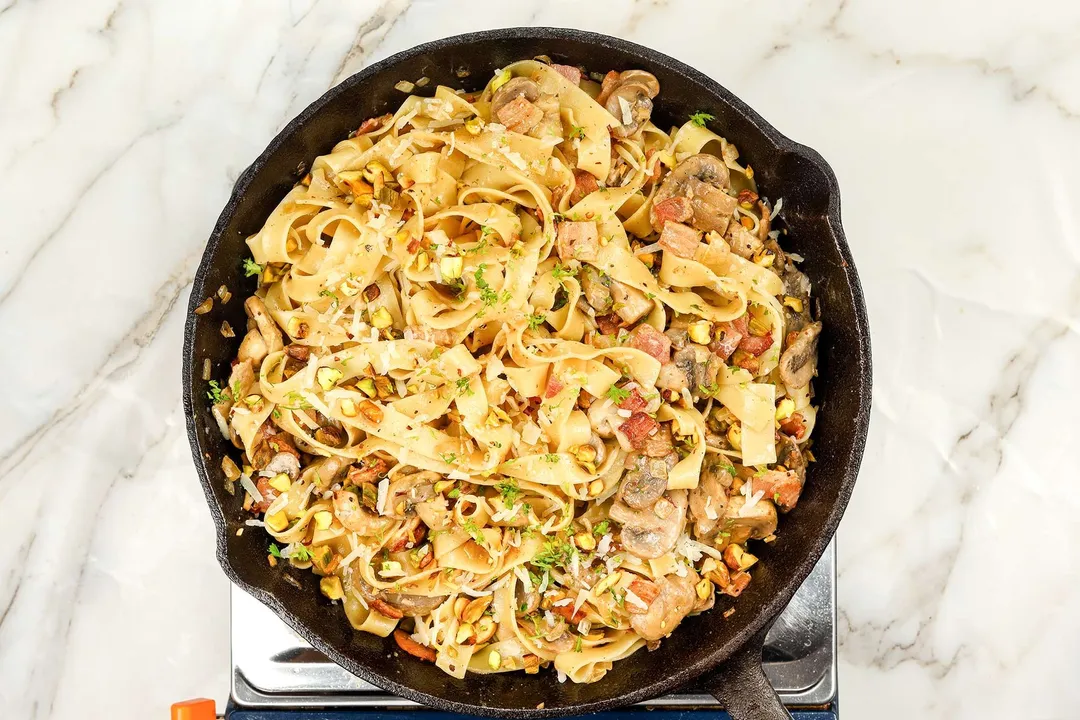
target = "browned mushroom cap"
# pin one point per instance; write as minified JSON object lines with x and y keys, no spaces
{"x":645,"y":533}
{"x":709,"y":499}
{"x":632,"y":107}
{"x":413,"y":605}
{"x":799,"y":361}
{"x":324,"y":471}
{"x":256,"y":308}
{"x":643,"y":486}
{"x":511,"y":89}
{"x":640,"y":77}
{"x":701,"y":178}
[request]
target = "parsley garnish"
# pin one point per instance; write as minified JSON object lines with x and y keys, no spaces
{"x":536,"y":320}
{"x":559,"y":272}
{"x":301,"y":554}
{"x":708,"y":390}
{"x":330,"y":294}
{"x":474,"y":531}
{"x":217,"y":395}
{"x":448,"y":458}
{"x":551,"y":458}
{"x":463,"y":386}
{"x":601,"y":528}
{"x":251,"y":268}
{"x":617,"y":395}
{"x":577,"y":644}
{"x":554,"y":553}
{"x":454,"y":494}
{"x":274,"y":550}
{"x":298,"y":400}
{"x":700,"y":118}
{"x":509,"y":491}
{"x":576,"y":131}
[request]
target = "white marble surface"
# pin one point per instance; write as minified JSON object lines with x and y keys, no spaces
{"x":953,"y":125}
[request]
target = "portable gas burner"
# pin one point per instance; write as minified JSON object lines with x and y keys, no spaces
{"x":276,"y":675}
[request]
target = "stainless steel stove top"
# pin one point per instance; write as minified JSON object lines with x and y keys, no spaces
{"x":274,"y":667}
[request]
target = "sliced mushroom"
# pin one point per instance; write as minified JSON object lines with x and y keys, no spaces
{"x":796,"y":287}
{"x":324,"y":471}
{"x":630,"y":101}
{"x":514,"y":88}
{"x":646,"y":534}
{"x":701,"y":179}
{"x":672,"y":377}
{"x":742,"y":523}
{"x":630,"y":303}
{"x":284,"y":462}
{"x":708,"y":501}
{"x":256,"y":309}
{"x":642,"y":487}
{"x":676,"y":599}
{"x":595,"y":289}
{"x":799,"y":361}
{"x":698,"y":365}
{"x":411,"y":489}
{"x":252,"y":347}
{"x":413,"y":605}
{"x":526,"y":601}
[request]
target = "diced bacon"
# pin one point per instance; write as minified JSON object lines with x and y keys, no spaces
{"x":567,"y":611}
{"x":608,"y":324}
{"x":794,"y":425}
{"x":406,"y":643}
{"x":645,"y":590}
{"x":369,"y":473}
{"x":633,"y":402}
{"x":742,"y":324}
{"x":679,"y":239}
{"x":386,"y":609}
{"x":268,"y":493}
{"x":372,"y":124}
{"x":584,"y":183}
{"x":578,"y":241}
{"x":607,"y":86}
{"x":726,"y":341}
{"x":519,"y":115}
{"x":674,"y":209}
{"x":554,"y":386}
{"x":649,"y":340}
{"x":569,"y":72}
{"x":739,"y":581}
{"x":659,"y":445}
{"x":756,"y":345}
{"x":783,"y":488}
{"x":637,"y":428}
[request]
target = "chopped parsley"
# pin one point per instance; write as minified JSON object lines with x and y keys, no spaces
{"x":301,"y":554}
{"x":218,"y":395}
{"x":551,"y":458}
{"x":274,"y":550}
{"x":474,"y":531}
{"x":536,"y":320}
{"x":617,"y":395}
{"x":560,"y":272}
{"x":601,"y":528}
{"x":299,"y":402}
{"x":509,"y":490}
{"x":555,"y":553}
{"x":332,"y":295}
{"x":251,"y":268}
{"x":576,"y":131}
{"x":448,"y":458}
{"x":464,"y":386}
{"x":708,"y":390}
{"x":577,"y":644}
{"x":488,"y":296}
{"x":700,"y":118}
{"x":454,"y":494}
{"x":276,"y":413}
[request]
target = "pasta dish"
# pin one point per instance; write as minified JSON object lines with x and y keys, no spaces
{"x":524,"y":374}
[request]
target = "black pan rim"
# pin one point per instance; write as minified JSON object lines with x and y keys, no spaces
{"x":765,"y":613}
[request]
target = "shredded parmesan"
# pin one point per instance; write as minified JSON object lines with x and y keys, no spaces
{"x":380,"y":500}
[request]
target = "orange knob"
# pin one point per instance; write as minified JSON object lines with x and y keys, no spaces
{"x":197,"y":709}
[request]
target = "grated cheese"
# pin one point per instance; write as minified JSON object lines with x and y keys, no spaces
{"x":380,"y":500}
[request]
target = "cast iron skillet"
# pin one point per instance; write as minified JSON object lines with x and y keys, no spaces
{"x":724,"y":654}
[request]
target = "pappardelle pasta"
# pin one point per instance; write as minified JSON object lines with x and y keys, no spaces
{"x":524,"y":373}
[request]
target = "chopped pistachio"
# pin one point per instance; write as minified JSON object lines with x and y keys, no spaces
{"x":376,"y":170}
{"x":366,"y":386}
{"x":734,"y":436}
{"x":205,"y":306}
{"x":422,"y":261}
{"x":328,"y":377}
{"x":700,"y":332}
{"x":330,"y":586}
{"x":348,"y":408}
{"x":277,"y":522}
{"x":382,"y":319}
{"x":371,"y":411}
{"x":223,"y":294}
{"x":501,"y":79}
{"x":297,"y":328}
{"x":494,"y":660}
{"x":785,"y":408}
{"x":474,"y":125}
{"x":323,"y":519}
{"x":451,"y":267}
{"x":281,"y":482}
{"x":585,"y":541}
{"x":794,"y":303}
{"x":704,"y":589}
{"x":372,"y":292}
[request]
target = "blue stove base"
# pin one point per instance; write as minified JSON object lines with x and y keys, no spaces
{"x":234,"y":713}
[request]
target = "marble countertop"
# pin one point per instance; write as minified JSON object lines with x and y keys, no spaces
{"x":124,"y":124}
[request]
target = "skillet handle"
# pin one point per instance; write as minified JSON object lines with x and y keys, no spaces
{"x":741,"y":686}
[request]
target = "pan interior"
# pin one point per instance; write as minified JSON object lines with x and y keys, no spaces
{"x":811,"y":211}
